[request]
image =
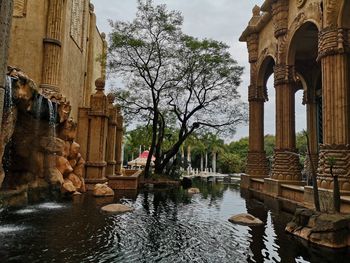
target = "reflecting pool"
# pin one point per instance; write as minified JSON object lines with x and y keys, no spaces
{"x":166,"y":226}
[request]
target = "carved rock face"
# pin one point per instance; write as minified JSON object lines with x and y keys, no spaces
{"x":52,"y":145}
{"x":64,"y":110}
{"x":63,"y":165}
{"x":74,"y":151}
{"x":68,"y":130}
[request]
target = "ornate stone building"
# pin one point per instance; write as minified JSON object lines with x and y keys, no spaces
{"x":57,"y":43}
{"x":306,"y":45}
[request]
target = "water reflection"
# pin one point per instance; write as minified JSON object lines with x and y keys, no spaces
{"x":167,"y":226}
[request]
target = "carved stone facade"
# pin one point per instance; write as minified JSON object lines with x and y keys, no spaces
{"x":306,"y":45}
{"x":61,"y":53}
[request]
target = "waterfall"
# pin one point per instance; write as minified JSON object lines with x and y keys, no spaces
{"x":8,"y":103}
{"x":52,"y":117}
{"x":38,"y":107}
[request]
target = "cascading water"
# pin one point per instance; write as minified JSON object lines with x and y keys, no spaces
{"x":8,"y":103}
{"x":52,"y":117}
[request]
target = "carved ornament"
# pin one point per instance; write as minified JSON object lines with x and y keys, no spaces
{"x":280,"y":17}
{"x":284,"y":74}
{"x":300,"y":3}
{"x":333,"y":41}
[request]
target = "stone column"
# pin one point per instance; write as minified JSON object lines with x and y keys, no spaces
{"x":257,"y":164}
{"x":95,"y":166}
{"x":286,"y":165}
{"x":52,"y":48}
{"x":334,"y":56}
{"x":286,"y":160}
{"x":111,"y":136}
{"x":119,"y":142}
{"x":6,"y":9}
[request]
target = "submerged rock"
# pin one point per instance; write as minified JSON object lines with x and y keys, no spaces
{"x":245,"y":219}
{"x":116,"y":209}
{"x":101,"y":190}
{"x":193,"y":190}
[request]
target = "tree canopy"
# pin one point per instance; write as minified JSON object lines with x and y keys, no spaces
{"x":173,"y":81}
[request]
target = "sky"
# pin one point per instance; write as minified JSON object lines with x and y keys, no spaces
{"x":222,"y":20}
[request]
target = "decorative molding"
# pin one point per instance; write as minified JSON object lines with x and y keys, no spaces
{"x":286,"y":165}
{"x":333,"y":41}
{"x":341,"y":153}
{"x":253,"y":47}
{"x":257,"y":164}
{"x":280,"y":17}
{"x":300,"y":3}
{"x":19,"y":8}
{"x":284,"y":74}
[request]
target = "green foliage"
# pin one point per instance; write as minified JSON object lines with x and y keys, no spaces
{"x":269,"y":144}
{"x":230,"y":163}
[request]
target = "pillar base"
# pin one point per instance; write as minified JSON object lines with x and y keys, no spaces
{"x":257,"y":164}
{"x":286,"y":165}
{"x":341,"y":154}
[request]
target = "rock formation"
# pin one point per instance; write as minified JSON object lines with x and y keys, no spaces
{"x":37,"y":140}
{"x":329,"y":230}
{"x":245,"y":219}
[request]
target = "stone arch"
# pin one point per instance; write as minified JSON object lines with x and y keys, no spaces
{"x":344,"y":16}
{"x":265,"y":70}
{"x":293,"y":37}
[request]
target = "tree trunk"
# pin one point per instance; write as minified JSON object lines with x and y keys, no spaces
{"x":314,"y":176}
{"x":206,"y":160}
{"x":189,"y":156}
{"x":202,"y":161}
{"x":153,"y":143}
{"x":213,"y":162}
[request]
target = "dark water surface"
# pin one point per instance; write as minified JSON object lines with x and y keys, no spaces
{"x":166,"y":226}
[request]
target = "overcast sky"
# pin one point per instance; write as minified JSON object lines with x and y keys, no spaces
{"x":222,"y":20}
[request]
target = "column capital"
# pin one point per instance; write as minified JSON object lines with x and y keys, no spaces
{"x":280,"y":17}
{"x":332,"y":41}
{"x":284,"y":74}
{"x":253,"y":46}
{"x":257,"y":93}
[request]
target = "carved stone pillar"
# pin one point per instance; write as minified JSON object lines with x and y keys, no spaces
{"x":119,"y":142}
{"x":111,"y":136}
{"x":52,"y":48}
{"x":97,"y":137}
{"x":334,"y":56}
{"x":286,"y":164}
{"x":257,"y":164}
{"x":6,"y":8}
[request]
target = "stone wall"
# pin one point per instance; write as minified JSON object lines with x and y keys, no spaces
{"x":75,"y":58}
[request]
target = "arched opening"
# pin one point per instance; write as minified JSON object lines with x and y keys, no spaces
{"x":303,"y":56}
{"x":345,"y":23}
{"x":266,"y":83}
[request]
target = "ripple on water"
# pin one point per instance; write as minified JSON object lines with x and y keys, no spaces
{"x":6,"y":229}
{"x":50,"y":205}
{"x":26,"y":211}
